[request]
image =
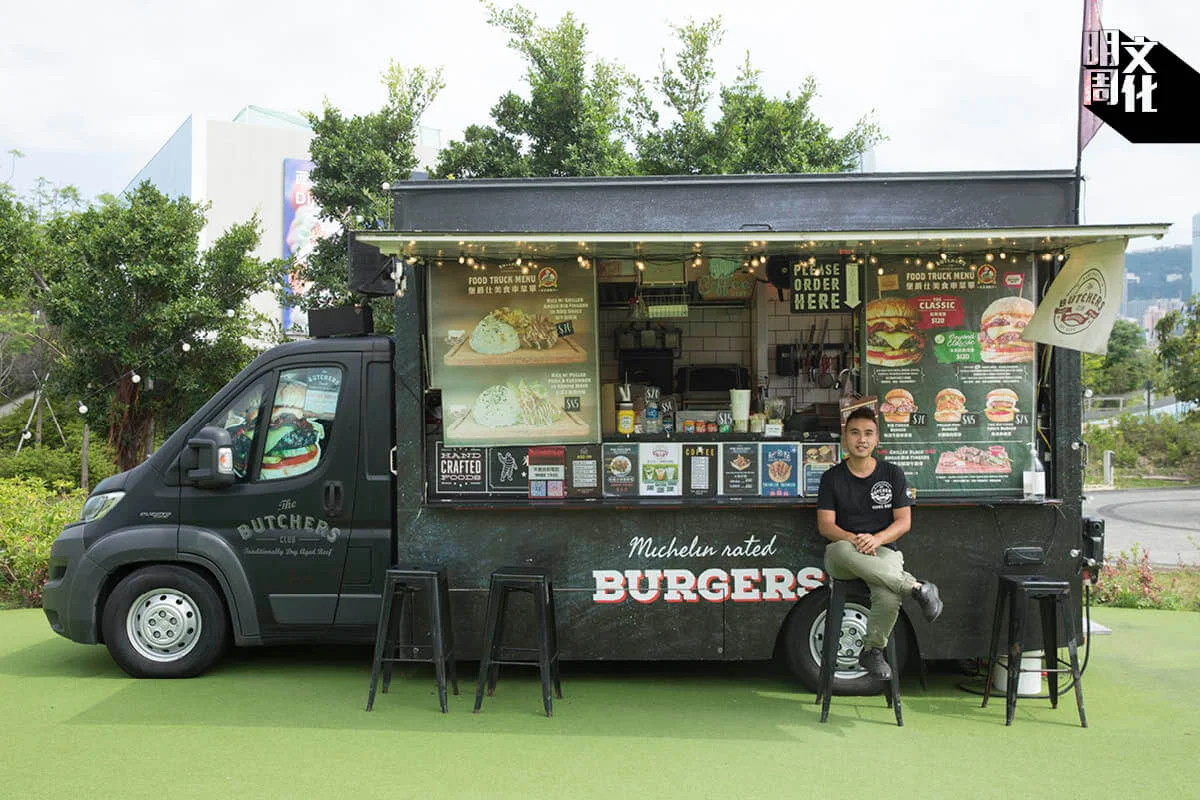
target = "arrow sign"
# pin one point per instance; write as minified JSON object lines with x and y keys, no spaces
{"x":852,"y":288}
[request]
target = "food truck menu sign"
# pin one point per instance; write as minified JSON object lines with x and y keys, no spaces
{"x":583,"y":470}
{"x":817,"y":459}
{"x":954,"y":379}
{"x":739,"y":468}
{"x":780,"y":469}
{"x":661,"y":469}
{"x":620,"y":465}
{"x":700,"y":470}
{"x":513,"y":349}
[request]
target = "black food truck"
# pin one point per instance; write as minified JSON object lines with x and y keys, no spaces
{"x":635,"y":384}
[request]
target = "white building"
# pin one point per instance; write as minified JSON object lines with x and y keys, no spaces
{"x":241,"y":168}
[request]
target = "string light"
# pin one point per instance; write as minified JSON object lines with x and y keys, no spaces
{"x":184,"y":346}
{"x":135,"y":378}
{"x":82,"y":408}
{"x":462,"y":259}
{"x":989,"y":258}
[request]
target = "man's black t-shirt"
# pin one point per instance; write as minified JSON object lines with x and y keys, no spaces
{"x":864,"y":505}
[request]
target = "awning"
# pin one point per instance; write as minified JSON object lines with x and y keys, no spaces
{"x":501,"y":246}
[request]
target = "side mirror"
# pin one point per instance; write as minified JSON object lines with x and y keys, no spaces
{"x":208,"y":460}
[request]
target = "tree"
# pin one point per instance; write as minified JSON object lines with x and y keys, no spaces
{"x":1179,"y":350}
{"x":354,"y":157}
{"x":1127,"y":364}
{"x":128,"y":289}
{"x":571,"y":123}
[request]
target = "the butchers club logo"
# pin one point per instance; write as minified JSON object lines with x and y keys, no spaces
{"x":297,"y":526}
{"x":1082,"y":304}
{"x":547,"y":278}
{"x":881,"y":494}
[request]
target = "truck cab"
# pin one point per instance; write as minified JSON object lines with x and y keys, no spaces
{"x":266,"y":518}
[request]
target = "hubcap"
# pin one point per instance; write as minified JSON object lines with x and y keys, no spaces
{"x":850,"y":641}
{"x":163,"y":625}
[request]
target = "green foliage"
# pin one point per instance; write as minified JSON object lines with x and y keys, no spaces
{"x":354,"y":157}
{"x":1156,"y":445}
{"x":53,"y":463}
{"x":1126,"y":366}
{"x":571,"y":123}
{"x":1131,"y":581}
{"x":1179,"y":350}
{"x":129,"y":288}
{"x":31,"y":516}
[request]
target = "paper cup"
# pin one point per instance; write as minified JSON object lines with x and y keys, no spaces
{"x":739,"y":400}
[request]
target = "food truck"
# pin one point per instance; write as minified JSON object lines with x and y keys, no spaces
{"x":636,"y":384}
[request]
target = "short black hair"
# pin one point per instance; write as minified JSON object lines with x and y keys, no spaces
{"x":862,"y":412}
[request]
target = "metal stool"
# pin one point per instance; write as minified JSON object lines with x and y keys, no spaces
{"x":1053,"y":597}
{"x":495,"y":652}
{"x":838,"y":589}
{"x":401,"y":587}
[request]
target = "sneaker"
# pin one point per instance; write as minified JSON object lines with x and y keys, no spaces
{"x":872,"y":660}
{"x":929,"y":599}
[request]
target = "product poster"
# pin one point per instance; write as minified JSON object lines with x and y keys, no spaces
{"x":661,"y":470}
{"x":739,"y":468}
{"x":780,"y":472}
{"x":513,"y":349}
{"x":620,"y":465}
{"x":817,"y":459}
{"x":547,"y":473}
{"x":954,"y":379}
{"x":460,"y":470}
{"x":700,"y":470}
{"x":583,"y":470}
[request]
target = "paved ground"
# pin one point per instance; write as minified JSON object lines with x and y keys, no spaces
{"x":1164,"y":521}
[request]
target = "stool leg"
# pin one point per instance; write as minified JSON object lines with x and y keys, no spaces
{"x":444,"y":593}
{"x":489,"y":637}
{"x":381,"y":630}
{"x":543,"y":637}
{"x":554,"y":658}
{"x":439,"y":642}
{"x":829,"y":649}
{"x":1069,"y":633}
{"x":497,"y":642}
{"x":399,"y":595}
{"x":1048,"y":606}
{"x":893,"y":686}
{"x":993,"y":648}
{"x":1016,"y":619}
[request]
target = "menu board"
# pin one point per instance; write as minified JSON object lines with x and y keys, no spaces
{"x":660,"y":470}
{"x":620,"y":465}
{"x":513,"y":349}
{"x":780,"y":469}
{"x":954,"y":379}
{"x":583,"y":470}
{"x":700,"y":470}
{"x":816,"y":460}
{"x":739,"y":468}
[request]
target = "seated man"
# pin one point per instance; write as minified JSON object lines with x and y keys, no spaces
{"x":862,"y":509}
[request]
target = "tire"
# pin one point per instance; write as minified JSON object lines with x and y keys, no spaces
{"x":165,"y":622}
{"x":804,"y":633}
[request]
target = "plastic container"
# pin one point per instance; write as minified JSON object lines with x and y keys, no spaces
{"x":1030,"y":682}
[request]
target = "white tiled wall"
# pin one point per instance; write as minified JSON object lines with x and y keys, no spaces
{"x":708,"y":336}
{"x":784,"y":327}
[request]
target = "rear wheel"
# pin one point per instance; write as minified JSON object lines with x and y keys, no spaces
{"x":165,"y":622}
{"x":804,"y":640}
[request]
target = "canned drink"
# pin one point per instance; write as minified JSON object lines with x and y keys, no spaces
{"x":711,"y":427}
{"x":689,"y":426}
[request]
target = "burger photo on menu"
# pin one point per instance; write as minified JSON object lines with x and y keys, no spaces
{"x":897,"y":405}
{"x":1000,"y":330}
{"x":892,"y":337}
{"x":1000,"y":405}
{"x":949,"y":405}
{"x":293,"y":441}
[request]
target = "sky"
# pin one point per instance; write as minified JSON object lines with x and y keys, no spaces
{"x":89,"y":91}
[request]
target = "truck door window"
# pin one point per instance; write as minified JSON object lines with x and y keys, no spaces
{"x":240,"y":418}
{"x":301,"y":422}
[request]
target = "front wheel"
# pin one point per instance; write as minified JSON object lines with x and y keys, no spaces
{"x":804,"y":640}
{"x":165,"y":622}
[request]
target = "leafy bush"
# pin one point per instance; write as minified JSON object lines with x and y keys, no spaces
{"x":53,"y":462}
{"x":31,"y":516}
{"x":1131,"y":581}
{"x":1147,"y":445}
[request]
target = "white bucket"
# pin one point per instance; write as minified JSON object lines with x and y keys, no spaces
{"x":1029,"y":684}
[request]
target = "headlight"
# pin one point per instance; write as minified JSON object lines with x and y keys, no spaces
{"x":98,"y":505}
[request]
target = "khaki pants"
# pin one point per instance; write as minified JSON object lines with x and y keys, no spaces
{"x":884,"y":574}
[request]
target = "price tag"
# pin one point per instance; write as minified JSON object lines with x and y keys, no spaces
{"x":918,"y":419}
{"x":572,"y":404}
{"x":565,"y":328}
{"x":1021,"y":419}
{"x":969,"y":420}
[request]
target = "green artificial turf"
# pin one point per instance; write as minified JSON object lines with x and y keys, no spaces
{"x":290,"y":723}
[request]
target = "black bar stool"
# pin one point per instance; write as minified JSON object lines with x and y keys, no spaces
{"x":400,"y":589}
{"x":1053,"y":597}
{"x":494,"y":653}
{"x":832,"y":644}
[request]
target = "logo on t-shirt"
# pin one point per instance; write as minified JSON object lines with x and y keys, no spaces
{"x":881,"y":495}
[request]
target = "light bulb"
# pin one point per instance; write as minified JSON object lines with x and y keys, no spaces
{"x":82,"y":408}
{"x":185,"y":347}
{"x":26,"y":435}
{"x":229,"y":312}
{"x":989,"y":258}
{"x":462,"y":259}
{"x":135,"y":378}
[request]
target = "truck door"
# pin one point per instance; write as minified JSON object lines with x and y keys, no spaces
{"x":295,"y":433}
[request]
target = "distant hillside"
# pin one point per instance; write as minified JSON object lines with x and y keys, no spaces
{"x":1165,"y":272}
